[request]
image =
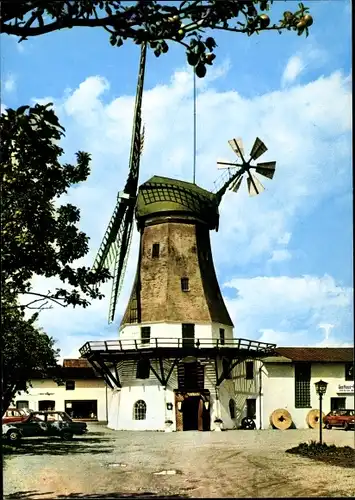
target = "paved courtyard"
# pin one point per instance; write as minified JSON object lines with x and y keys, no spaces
{"x":111,"y":464}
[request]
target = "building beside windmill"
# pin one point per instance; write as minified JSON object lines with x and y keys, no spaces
{"x":176,"y":364}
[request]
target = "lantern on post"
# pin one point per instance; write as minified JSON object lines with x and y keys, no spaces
{"x":321,"y":389}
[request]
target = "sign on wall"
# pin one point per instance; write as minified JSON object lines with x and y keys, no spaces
{"x":347,"y":387}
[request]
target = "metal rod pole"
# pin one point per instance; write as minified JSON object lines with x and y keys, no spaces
{"x":194,"y":133}
{"x":320,"y":418}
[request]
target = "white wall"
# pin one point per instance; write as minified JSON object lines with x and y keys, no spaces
{"x":173,"y":331}
{"x":47,"y":389}
{"x":279,"y":390}
{"x":155,"y":397}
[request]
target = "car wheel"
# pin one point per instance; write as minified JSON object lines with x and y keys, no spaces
{"x":13,"y":436}
{"x":328,"y":426}
{"x":248,"y":423}
{"x":67,"y":435}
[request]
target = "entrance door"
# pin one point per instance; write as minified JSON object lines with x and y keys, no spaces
{"x":46,"y":405}
{"x":84,"y":409}
{"x":188,"y":335}
{"x":337,"y":403}
{"x":190,"y":413}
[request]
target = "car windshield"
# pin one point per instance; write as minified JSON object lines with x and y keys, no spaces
{"x":38,"y":417}
{"x":58,"y":417}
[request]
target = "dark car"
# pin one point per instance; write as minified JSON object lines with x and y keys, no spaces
{"x":340,"y":418}
{"x":44,"y":423}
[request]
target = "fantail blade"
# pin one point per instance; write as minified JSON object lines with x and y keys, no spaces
{"x":254,"y":185}
{"x":258,"y":149}
{"x":237,"y":146}
{"x":266,"y":169}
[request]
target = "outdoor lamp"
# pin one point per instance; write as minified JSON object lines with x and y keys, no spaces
{"x":321,"y":387}
{"x":207,"y":404}
{"x":169,"y":406}
{"x":179,"y":405}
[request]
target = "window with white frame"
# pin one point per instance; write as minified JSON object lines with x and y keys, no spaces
{"x":22,"y":404}
{"x":145,"y":334}
{"x":139,"y":410}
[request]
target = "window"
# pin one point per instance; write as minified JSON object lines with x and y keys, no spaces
{"x":191,"y":376}
{"x":232,"y":408}
{"x":226,"y":370}
{"x":21,"y":404}
{"x":70,"y":385}
{"x":337,"y":403}
{"x":349,"y":371}
{"x":145,"y":334}
{"x":249,"y":370}
{"x":155,"y":250}
{"x":139,"y":410}
{"x":251,"y":408}
{"x":221,"y":336}
{"x":302,"y":385}
{"x":143,"y":368}
{"x":185,"y":284}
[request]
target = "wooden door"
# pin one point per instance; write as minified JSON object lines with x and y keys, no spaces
{"x":188,"y":335}
{"x":200,"y":415}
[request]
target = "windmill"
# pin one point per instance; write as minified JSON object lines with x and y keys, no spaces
{"x":114,"y":248}
{"x":267,"y":169}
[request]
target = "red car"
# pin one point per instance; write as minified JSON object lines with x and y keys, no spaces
{"x":340,"y":418}
{"x":14,"y":415}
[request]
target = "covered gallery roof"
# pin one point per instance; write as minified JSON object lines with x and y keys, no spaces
{"x":316,"y":354}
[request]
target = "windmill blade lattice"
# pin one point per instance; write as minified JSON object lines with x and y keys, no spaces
{"x":267,"y":169}
{"x":114,"y":248}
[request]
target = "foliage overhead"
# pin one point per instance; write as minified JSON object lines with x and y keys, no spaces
{"x":186,"y":22}
{"x":24,"y":350}
{"x":40,"y":236}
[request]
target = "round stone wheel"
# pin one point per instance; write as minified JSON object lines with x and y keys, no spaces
{"x":313,"y":418}
{"x":281,"y":419}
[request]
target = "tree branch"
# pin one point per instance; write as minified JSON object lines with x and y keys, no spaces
{"x":44,"y":297}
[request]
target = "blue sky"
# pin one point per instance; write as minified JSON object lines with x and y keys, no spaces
{"x":292,"y":245}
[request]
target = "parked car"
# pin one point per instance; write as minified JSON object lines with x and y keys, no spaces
{"x":14,"y":415}
{"x":340,"y":418}
{"x":44,"y":423}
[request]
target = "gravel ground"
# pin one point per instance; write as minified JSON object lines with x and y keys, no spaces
{"x":111,"y":464}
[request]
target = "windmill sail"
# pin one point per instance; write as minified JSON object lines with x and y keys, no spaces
{"x":116,"y":241}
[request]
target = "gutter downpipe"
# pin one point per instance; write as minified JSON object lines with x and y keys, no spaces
{"x":260,"y":396}
{"x":106,"y":403}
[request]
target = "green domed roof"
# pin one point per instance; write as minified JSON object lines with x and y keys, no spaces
{"x":162,"y":195}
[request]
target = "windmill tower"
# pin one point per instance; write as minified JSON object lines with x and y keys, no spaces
{"x":172,"y":364}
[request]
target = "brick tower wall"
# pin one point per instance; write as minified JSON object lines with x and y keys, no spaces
{"x":184,"y":252}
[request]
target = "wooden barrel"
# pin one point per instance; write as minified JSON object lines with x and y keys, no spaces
{"x":313,"y":419}
{"x":281,"y":419}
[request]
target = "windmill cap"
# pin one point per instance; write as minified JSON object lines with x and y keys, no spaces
{"x":162,"y":195}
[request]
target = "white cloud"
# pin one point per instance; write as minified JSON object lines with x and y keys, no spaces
{"x":284,"y":239}
{"x":293,"y":68}
{"x":288,"y":311}
{"x":311,"y":56}
{"x":280,"y":255}
{"x":306,"y":129}
{"x":10,"y":83}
